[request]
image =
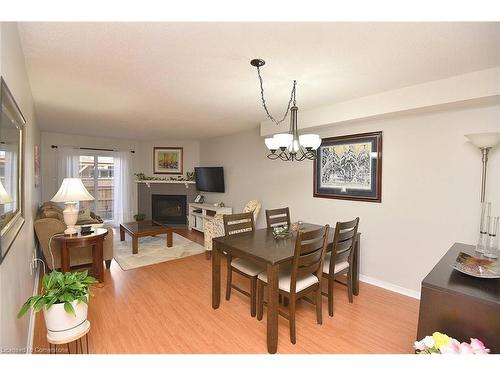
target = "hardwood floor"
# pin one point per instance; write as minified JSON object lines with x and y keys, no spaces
{"x":166,"y":308}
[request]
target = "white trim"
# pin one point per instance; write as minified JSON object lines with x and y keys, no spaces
{"x":31,"y":327}
{"x":393,"y":288}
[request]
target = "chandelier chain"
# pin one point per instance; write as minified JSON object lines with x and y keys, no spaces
{"x":292,"y":99}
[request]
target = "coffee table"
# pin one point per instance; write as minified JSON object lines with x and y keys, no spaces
{"x":144,"y":228}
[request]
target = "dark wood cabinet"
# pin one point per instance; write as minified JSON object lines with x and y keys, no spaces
{"x":460,"y":305}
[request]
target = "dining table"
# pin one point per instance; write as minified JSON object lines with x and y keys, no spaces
{"x":262,"y":247}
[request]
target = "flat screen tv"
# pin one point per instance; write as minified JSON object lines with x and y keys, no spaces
{"x":210,"y":179}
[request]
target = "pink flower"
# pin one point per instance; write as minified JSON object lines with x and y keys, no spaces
{"x":419,"y":345}
{"x":452,"y":348}
{"x":478,"y":347}
{"x":465,"y":348}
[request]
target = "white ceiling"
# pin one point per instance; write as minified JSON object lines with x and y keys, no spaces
{"x":150,"y":81}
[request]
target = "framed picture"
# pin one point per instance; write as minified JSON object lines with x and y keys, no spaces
{"x":167,"y":160}
{"x":349,"y":167}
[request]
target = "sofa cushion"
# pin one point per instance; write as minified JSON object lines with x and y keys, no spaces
{"x":49,"y":212}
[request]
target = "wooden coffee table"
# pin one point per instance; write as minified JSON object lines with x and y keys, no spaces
{"x":144,"y":228}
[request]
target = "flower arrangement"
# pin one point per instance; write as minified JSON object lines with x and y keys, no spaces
{"x":440,"y":343}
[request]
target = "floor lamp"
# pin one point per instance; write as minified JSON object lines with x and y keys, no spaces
{"x":485,"y":142}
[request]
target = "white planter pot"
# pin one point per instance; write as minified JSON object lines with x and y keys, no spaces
{"x":57,"y":319}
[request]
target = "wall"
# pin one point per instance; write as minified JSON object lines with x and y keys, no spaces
{"x":142,"y":160}
{"x":430,"y":189}
{"x":16,"y":282}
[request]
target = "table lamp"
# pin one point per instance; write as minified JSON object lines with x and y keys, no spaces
{"x":485,"y":142}
{"x":4,"y":196}
{"x":70,"y":193}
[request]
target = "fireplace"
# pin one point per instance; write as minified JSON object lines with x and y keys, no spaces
{"x":169,"y":209}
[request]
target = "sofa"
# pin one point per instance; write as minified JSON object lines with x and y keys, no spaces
{"x":49,"y":221}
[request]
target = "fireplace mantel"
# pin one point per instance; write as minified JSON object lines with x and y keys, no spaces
{"x":149,"y":182}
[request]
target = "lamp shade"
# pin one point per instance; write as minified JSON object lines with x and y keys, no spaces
{"x":283,"y":139}
{"x":72,"y":190}
{"x":484,"y":140}
{"x":271,"y":143}
{"x":312,"y":141}
{"x":4,"y":196}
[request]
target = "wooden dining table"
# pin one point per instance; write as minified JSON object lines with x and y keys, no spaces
{"x":261,"y":247}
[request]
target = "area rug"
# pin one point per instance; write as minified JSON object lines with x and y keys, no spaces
{"x":153,"y":250}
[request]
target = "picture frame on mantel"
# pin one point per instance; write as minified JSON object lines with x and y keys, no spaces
{"x":349,"y":167}
{"x":168,"y":160}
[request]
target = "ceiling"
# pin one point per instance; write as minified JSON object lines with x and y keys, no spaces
{"x":150,"y":81}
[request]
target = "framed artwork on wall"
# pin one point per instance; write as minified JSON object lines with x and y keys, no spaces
{"x":349,"y":167}
{"x":167,"y":160}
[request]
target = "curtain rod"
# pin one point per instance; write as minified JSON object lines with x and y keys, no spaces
{"x":91,"y":148}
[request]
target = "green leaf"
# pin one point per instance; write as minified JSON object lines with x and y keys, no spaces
{"x":68,"y":307}
{"x":24,"y":308}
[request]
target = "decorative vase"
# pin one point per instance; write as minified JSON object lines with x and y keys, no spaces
{"x":483,"y":228}
{"x":492,"y":242}
{"x":57,"y":319}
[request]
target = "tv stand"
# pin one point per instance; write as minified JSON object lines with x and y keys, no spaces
{"x":199,"y":213}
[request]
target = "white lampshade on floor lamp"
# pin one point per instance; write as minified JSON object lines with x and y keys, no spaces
{"x":70,"y":193}
{"x":485,"y":142}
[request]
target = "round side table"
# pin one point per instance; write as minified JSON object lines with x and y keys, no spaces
{"x":94,"y":239}
{"x":65,"y":337}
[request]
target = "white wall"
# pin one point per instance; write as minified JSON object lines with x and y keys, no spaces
{"x":430,"y":188}
{"x":142,"y":159}
{"x":16,"y":283}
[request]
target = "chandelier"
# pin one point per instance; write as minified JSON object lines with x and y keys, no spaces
{"x":288,"y":146}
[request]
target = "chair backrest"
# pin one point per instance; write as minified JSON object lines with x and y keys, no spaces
{"x":278,"y":216}
{"x":253,"y":206}
{"x":310,"y":249}
{"x":344,"y":241}
{"x":238,"y":223}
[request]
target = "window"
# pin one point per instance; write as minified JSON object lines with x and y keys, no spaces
{"x":96,"y":172}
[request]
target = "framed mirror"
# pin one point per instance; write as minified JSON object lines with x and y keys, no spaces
{"x":12,"y":124}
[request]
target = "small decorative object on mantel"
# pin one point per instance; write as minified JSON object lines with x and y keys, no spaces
{"x":440,"y":343}
{"x":349,"y":167}
{"x":477,"y":267}
{"x":167,"y":160}
{"x":142,"y":177}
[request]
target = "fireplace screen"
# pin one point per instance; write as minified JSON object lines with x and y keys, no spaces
{"x":169,"y":209}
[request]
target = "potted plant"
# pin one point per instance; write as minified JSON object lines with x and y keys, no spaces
{"x":63,"y":298}
{"x":139,"y":217}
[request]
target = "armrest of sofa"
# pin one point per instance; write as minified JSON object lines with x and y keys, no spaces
{"x":45,"y":229}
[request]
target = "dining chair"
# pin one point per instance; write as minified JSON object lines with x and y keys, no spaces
{"x":301,"y":278}
{"x":344,"y":241}
{"x":278,"y":216}
{"x":234,"y":224}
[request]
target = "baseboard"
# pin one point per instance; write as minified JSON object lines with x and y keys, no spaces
{"x":393,"y":288}
{"x":31,"y":327}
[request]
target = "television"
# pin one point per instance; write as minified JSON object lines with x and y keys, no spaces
{"x":209,"y":179}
